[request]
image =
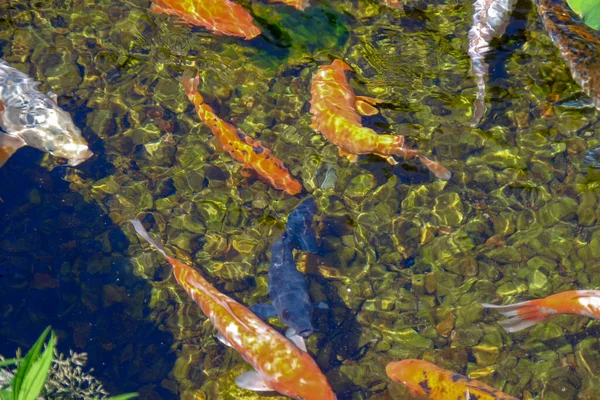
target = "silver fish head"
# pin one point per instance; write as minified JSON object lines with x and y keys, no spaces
{"x":52,"y":130}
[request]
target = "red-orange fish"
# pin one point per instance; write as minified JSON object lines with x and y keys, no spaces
{"x":279,"y":364}
{"x":241,"y":146}
{"x":428,"y":381}
{"x":335,"y":111}
{"x":391,"y":3}
{"x":297,"y":4}
{"x":528,"y":313}
{"x":223,"y":17}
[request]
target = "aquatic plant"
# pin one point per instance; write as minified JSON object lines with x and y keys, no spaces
{"x":49,"y":375}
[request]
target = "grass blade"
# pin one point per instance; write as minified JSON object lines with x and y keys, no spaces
{"x":126,"y":396}
{"x":28,"y":361}
{"x":35,"y":377}
{"x":9,"y":361}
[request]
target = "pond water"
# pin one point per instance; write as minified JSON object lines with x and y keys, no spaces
{"x":408,"y":258}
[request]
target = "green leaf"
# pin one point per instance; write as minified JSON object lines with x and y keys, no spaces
{"x":588,"y":10}
{"x":9,"y":361}
{"x":33,"y":371}
{"x":124,"y":396}
{"x":5,"y":395}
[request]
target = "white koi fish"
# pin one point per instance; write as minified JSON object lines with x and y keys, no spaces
{"x":29,"y":117}
{"x":490,"y":19}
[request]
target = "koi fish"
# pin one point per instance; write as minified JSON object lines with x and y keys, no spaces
{"x":299,"y":226}
{"x":490,"y":19}
{"x":528,"y":313}
{"x":279,"y":365}
{"x":288,"y":291}
{"x":390,"y":3}
{"x":578,"y":44}
{"x":297,"y":4}
{"x":287,"y":287}
{"x":431,"y":382}
{"x":241,"y":146}
{"x":223,"y":17}
{"x":29,"y":117}
{"x":335,"y":109}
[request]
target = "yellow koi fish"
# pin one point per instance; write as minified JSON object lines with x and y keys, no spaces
{"x":335,"y":109}
{"x":241,"y":146}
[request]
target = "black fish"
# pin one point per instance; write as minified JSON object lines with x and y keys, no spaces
{"x":299,"y":227}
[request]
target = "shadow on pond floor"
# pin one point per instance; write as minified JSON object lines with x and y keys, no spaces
{"x":62,"y":264}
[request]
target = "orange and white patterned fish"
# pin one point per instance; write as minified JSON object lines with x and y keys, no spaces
{"x":279,"y":365}
{"x":428,"y":381}
{"x":335,"y":109}
{"x":241,"y":146}
{"x":528,"y":313}
{"x":223,"y":17}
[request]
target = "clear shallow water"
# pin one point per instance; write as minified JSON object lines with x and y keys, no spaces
{"x":408,"y":257}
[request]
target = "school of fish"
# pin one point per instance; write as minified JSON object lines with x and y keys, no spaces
{"x":281,"y":363}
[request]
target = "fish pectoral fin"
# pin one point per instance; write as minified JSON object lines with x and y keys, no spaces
{"x":264,"y":311}
{"x":322,"y":305}
{"x":296,"y":339}
{"x":222,"y":339}
{"x":366,"y":105}
{"x":8,"y":145}
{"x":351,"y":157}
{"x":218,"y":145}
{"x":53,"y":96}
{"x":252,"y":380}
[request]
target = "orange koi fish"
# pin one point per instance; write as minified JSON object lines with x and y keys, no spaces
{"x":335,"y":111}
{"x":223,"y":17}
{"x":241,"y":146}
{"x":431,"y":382}
{"x":528,"y":313}
{"x":279,"y":365}
{"x":297,"y":4}
{"x":390,"y":3}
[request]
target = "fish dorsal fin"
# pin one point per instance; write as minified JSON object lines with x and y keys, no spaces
{"x":8,"y":145}
{"x":252,"y":380}
{"x":296,"y":339}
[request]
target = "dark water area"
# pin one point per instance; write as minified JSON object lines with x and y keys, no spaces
{"x":62,"y":265}
{"x":407,"y":258}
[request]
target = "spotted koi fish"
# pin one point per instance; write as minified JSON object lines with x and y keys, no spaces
{"x":431,"y":382}
{"x":335,"y":109}
{"x":223,"y":17}
{"x":279,"y":365}
{"x":29,"y":117}
{"x":297,"y":4}
{"x":490,"y":18}
{"x":241,"y":146}
{"x":528,"y":313}
{"x":579,"y":45}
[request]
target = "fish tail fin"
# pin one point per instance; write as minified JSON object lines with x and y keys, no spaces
{"x":190,"y":84}
{"x":438,"y":169}
{"x":520,"y":315}
{"x":8,"y":146}
{"x":157,"y":244}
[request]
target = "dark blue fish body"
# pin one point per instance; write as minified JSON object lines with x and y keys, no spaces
{"x":592,"y":157}
{"x":288,"y":290}
{"x":299,"y":227}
